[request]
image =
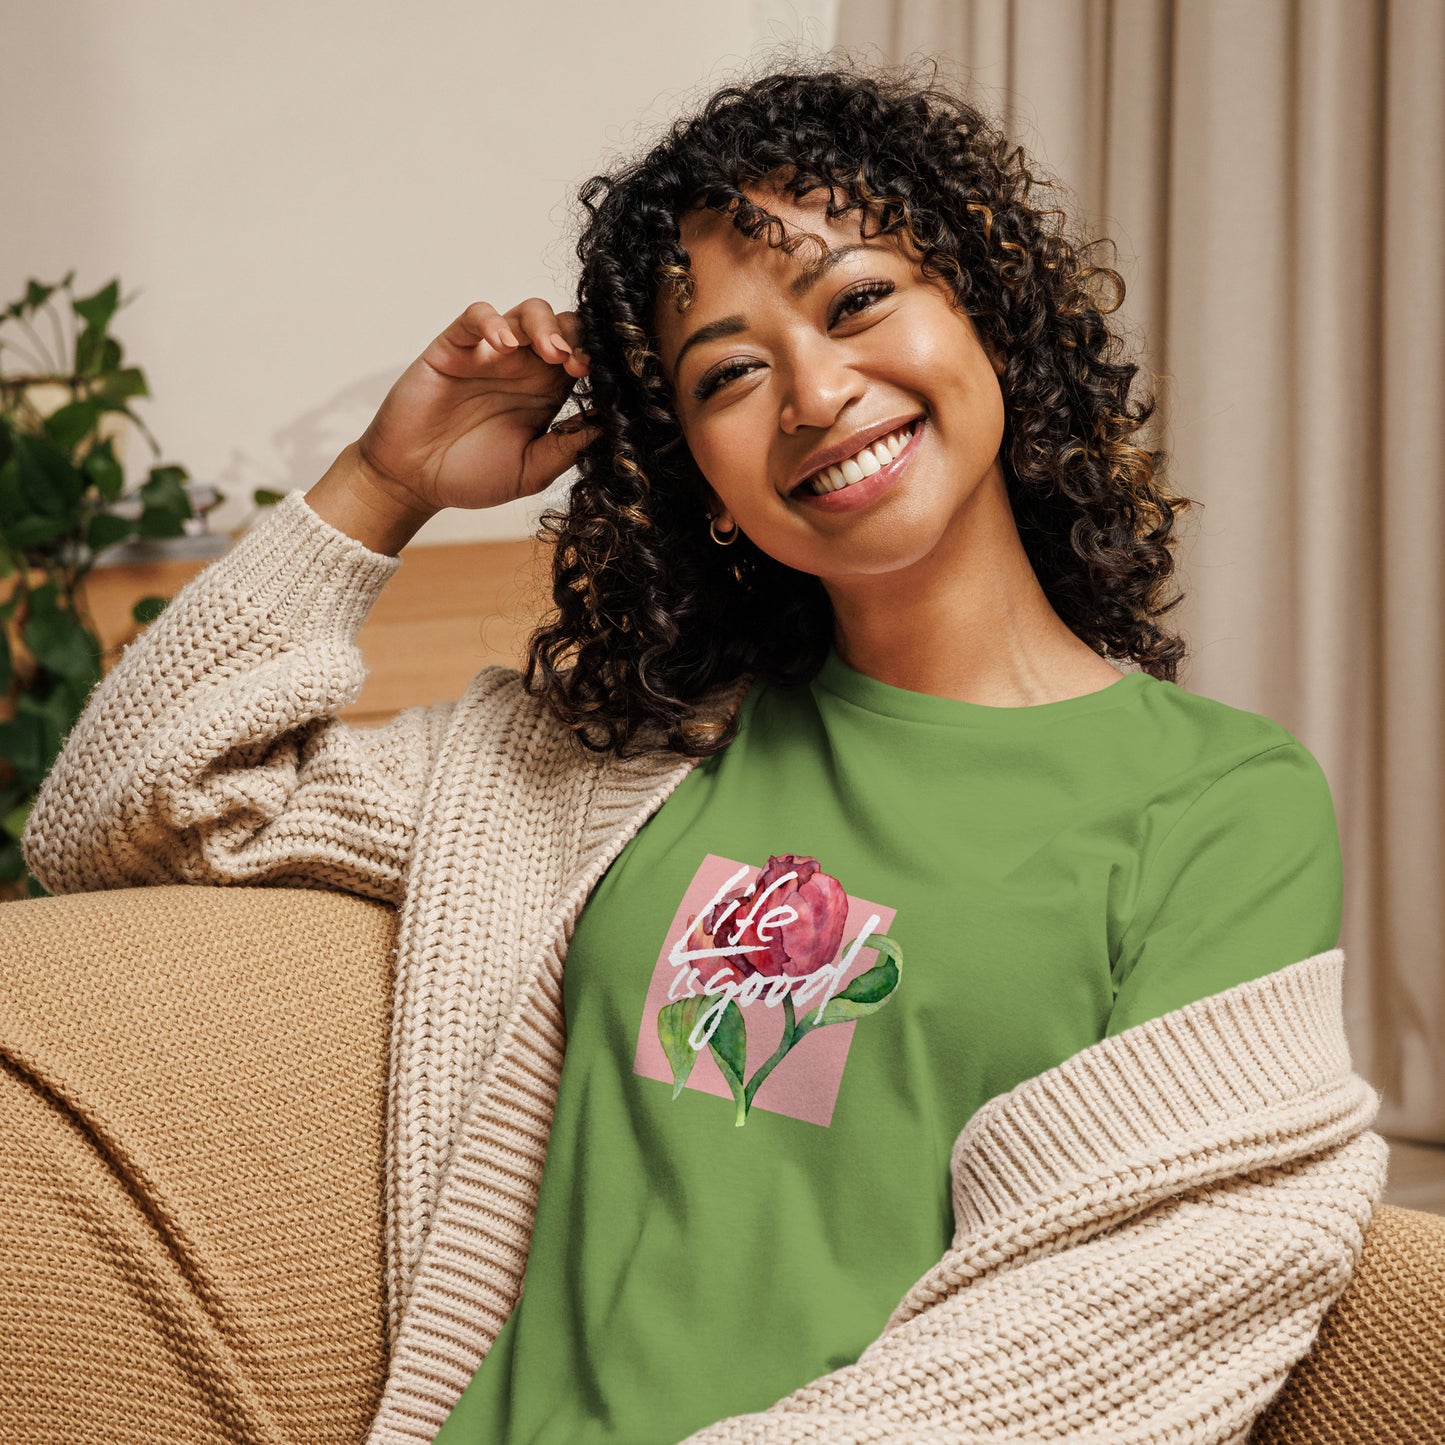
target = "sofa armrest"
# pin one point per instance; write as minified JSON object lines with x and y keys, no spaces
{"x":1376,"y":1371}
{"x":192,"y":1112}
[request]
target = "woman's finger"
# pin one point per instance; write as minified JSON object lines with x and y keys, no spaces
{"x":551,"y":453}
{"x":472,"y":341}
{"x":570,"y":325}
{"x":543,"y":330}
{"x":481,"y":321}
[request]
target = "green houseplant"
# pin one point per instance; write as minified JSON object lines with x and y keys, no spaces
{"x":65,"y":402}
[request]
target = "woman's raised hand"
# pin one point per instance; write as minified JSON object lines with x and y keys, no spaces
{"x":467,"y":423}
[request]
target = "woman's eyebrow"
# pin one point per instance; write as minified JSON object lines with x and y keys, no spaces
{"x":731,"y":325}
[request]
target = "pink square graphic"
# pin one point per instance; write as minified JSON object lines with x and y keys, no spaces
{"x":805,"y":1084}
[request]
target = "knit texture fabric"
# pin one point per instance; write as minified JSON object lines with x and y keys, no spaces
{"x":191,"y":1127}
{"x":1148,"y":1234}
{"x":1376,"y":1371}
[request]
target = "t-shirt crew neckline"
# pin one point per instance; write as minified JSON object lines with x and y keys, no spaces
{"x":837,"y":677}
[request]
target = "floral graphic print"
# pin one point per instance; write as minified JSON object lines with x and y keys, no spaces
{"x":799,"y":931}
{"x":769,"y":938}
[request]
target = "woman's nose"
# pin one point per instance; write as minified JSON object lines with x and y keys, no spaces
{"x":819,"y":383}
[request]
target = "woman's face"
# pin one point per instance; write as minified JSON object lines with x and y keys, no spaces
{"x":778,"y":367}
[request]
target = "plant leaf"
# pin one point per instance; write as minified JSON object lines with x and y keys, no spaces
{"x":89,"y":352}
{"x":35,"y":531}
{"x":161,"y":522}
{"x":60,"y":642}
{"x":869,"y":991}
{"x":23,"y":746}
{"x":36,"y":295}
{"x":7,"y":670}
{"x":12,"y":493}
{"x":51,"y":484}
{"x":675,"y":1021}
{"x":101,"y":467}
{"x":148,"y":609}
{"x":166,"y":503}
{"x":105,"y":529}
{"x":70,"y":423}
{"x":43,"y":598}
{"x":127,"y":382}
{"x":56,"y":713}
{"x":97,"y":309}
{"x":14,"y":821}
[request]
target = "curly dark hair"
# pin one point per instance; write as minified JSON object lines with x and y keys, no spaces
{"x":649,"y":614}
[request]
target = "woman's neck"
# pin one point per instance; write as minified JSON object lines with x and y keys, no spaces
{"x":968,"y":621}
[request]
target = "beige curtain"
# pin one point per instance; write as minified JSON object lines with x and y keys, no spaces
{"x":1274,"y":174}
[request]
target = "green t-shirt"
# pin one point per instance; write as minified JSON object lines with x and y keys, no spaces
{"x":1044,"y":876}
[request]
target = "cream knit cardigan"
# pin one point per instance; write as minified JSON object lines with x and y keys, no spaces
{"x":1148,"y":1234}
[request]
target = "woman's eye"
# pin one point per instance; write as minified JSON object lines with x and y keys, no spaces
{"x":866,"y":294}
{"x":715,"y":379}
{"x":851,"y":303}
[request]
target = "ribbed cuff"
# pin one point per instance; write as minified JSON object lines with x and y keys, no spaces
{"x":292,"y":559}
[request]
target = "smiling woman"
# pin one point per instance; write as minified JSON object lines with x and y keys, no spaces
{"x":781,"y":414}
{"x":806,"y":268}
{"x":853,"y":1007}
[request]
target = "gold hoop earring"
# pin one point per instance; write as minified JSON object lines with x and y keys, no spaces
{"x":727,"y":539}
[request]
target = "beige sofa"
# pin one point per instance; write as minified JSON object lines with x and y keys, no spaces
{"x":191,"y":1184}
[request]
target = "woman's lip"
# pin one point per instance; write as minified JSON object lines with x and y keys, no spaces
{"x":859,"y":494}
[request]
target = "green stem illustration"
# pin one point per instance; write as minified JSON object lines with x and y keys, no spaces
{"x":728,"y":1043}
{"x":790,"y":1037}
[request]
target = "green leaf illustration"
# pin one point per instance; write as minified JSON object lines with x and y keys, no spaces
{"x":675,"y":1021}
{"x":867,"y":993}
{"x":729,"y":1045}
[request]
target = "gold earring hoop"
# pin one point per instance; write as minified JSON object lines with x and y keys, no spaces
{"x":727,"y":539}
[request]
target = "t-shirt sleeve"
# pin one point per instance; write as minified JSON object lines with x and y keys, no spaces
{"x":1248,"y":880}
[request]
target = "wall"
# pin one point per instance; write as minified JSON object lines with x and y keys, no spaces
{"x":299,"y":197}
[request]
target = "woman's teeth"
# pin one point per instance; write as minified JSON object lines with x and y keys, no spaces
{"x":873,"y":458}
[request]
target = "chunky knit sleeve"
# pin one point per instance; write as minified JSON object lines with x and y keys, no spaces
{"x":1148,"y":1237}
{"x":210,"y":752}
